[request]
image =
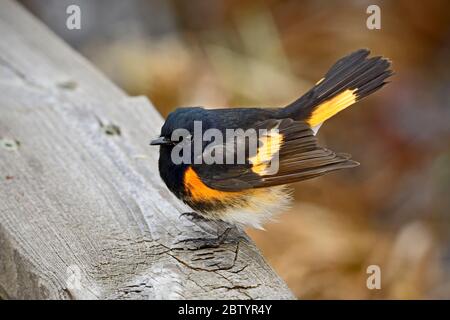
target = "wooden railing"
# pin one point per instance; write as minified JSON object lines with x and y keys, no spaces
{"x":83,"y":212}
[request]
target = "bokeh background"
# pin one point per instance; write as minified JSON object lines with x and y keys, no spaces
{"x":392,"y":211}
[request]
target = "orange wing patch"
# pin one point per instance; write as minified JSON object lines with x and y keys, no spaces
{"x":270,"y":144}
{"x":200,"y":191}
{"x":331,"y":107}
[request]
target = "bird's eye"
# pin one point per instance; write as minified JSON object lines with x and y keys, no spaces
{"x":175,"y":139}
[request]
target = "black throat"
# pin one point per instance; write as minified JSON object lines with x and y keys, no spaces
{"x":172,"y":174}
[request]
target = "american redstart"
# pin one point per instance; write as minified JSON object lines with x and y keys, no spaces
{"x":247,"y":192}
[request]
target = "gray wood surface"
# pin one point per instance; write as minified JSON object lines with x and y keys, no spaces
{"x":83,"y":212}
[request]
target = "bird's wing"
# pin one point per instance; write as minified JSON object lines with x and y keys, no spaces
{"x":287,"y":151}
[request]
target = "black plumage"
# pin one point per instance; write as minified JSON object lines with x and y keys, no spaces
{"x":300,"y":157}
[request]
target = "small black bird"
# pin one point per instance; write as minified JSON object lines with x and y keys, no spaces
{"x":247,"y":193}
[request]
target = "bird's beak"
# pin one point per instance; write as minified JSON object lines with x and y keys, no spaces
{"x":160,"y":141}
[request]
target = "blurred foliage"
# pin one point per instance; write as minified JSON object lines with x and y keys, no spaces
{"x":393,"y":210}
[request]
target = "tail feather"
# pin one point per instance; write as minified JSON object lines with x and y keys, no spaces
{"x":349,"y":80}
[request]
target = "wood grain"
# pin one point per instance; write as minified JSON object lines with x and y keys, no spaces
{"x":83,"y":212}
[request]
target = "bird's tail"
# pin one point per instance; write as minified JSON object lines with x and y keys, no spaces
{"x":349,"y":80}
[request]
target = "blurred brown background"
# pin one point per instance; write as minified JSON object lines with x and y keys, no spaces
{"x":393,"y":210}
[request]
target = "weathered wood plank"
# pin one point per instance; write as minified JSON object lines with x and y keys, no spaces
{"x":83,"y":213}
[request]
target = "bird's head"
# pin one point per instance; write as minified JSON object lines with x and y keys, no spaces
{"x":178,"y":124}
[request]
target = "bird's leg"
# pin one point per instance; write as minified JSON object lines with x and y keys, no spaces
{"x":225,"y":232}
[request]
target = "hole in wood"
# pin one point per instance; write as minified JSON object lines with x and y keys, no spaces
{"x":9,"y":144}
{"x":68,"y":85}
{"x":111,"y":129}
